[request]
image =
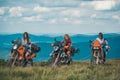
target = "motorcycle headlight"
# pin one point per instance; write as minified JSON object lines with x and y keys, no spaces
{"x":15,"y":47}
{"x":56,"y":48}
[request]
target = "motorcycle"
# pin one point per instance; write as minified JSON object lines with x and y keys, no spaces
{"x":60,"y":55}
{"x":97,"y":57}
{"x":18,"y":52}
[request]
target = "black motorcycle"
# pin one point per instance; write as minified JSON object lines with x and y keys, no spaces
{"x":60,"y":54}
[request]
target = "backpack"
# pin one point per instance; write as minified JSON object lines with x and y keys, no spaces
{"x":73,"y":50}
{"x":35,"y":48}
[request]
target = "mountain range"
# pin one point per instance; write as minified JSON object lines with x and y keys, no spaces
{"x":50,"y":38}
{"x":79,"y":41}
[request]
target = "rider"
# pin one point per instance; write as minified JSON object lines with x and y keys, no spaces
{"x":103,"y":43}
{"x":67,"y":44}
{"x":26,"y":42}
{"x":26,"y":39}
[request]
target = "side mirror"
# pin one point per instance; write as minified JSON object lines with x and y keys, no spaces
{"x":90,"y":41}
{"x":13,"y":41}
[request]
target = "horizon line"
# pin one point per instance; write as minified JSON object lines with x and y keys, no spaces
{"x":56,"y":34}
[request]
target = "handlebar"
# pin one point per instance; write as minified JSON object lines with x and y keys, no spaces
{"x":13,"y":41}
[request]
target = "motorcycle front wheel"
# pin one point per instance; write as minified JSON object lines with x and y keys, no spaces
{"x":25,"y":63}
{"x":51,"y":62}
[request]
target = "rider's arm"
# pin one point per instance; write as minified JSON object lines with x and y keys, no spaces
{"x":69,"y":43}
{"x":29,"y":42}
{"x":62,"y":42}
{"x":106,"y":42}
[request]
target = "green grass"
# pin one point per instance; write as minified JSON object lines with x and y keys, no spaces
{"x":76,"y":71}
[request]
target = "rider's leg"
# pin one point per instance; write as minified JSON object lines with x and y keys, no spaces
{"x":68,"y":54}
{"x":102,"y":54}
{"x":104,"y":57}
{"x":26,"y":55}
{"x":92,"y":52}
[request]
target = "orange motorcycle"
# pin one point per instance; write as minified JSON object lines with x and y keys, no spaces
{"x":97,"y":53}
{"x":17,"y":55}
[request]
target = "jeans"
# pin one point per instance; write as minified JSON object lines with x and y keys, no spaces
{"x":104,"y":54}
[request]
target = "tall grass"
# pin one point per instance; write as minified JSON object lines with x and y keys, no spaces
{"x":76,"y":71}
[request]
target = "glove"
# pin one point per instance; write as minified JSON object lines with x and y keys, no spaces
{"x":66,"y":47}
{"x":52,"y":44}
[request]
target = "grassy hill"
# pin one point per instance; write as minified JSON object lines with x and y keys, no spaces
{"x":76,"y":71}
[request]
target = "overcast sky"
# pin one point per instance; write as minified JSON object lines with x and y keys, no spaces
{"x":59,"y":16}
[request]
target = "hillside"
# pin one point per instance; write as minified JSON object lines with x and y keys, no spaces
{"x":50,"y":38}
{"x":45,"y":41}
{"x":76,"y":71}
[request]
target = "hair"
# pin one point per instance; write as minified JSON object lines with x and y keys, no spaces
{"x":65,"y":41}
{"x":27,"y":36}
{"x":101,"y":34}
{"x":66,"y":35}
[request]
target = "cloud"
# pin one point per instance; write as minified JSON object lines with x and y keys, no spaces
{"x":60,"y":3}
{"x":33,"y":18}
{"x":16,"y":11}
{"x":84,"y":3}
{"x":41,"y":9}
{"x":77,"y":22}
{"x":93,"y":16}
{"x":72,"y":12}
{"x":1,"y":11}
{"x":103,"y":5}
{"x":66,"y":19}
{"x":73,"y":21}
{"x":53,"y":21}
{"x":117,"y":17}
{"x":61,"y":14}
